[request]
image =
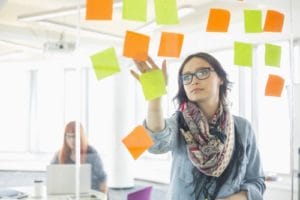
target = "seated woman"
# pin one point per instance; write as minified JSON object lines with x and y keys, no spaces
{"x":66,"y":155}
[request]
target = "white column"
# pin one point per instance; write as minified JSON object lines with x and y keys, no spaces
{"x":124,"y":121}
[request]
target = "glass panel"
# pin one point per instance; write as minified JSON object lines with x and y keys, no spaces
{"x":14,"y":106}
{"x":273,"y":116}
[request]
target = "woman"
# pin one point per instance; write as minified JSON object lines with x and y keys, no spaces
{"x":66,"y":155}
{"x":214,"y":153}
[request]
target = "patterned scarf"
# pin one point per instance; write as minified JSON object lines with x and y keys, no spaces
{"x":209,"y":144}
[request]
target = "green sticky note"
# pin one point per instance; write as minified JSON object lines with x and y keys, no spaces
{"x":135,"y":10}
{"x":272,"y":55}
{"x":105,"y":63}
{"x":153,"y":84}
{"x":166,"y":12}
{"x":243,"y":54}
{"x":252,"y":20}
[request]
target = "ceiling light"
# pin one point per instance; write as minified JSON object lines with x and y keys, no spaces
{"x":57,"y":13}
{"x":86,"y":31}
{"x":11,"y":55}
{"x":23,"y":47}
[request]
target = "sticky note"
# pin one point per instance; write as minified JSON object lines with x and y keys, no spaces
{"x":105,"y":63}
{"x":166,"y":12}
{"x":138,"y":141}
{"x":99,"y":9}
{"x":136,"y":46}
{"x":252,"y":21}
{"x":274,"y":21}
{"x":135,"y":10}
{"x":218,"y":20}
{"x":170,"y":44}
{"x":243,"y":54}
{"x":274,"y":86}
{"x":143,"y":194}
{"x":153,"y":84}
{"x":272,"y":55}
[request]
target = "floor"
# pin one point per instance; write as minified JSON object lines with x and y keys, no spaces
{"x":25,"y":178}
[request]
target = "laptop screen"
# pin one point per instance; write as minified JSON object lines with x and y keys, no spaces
{"x":61,"y":178}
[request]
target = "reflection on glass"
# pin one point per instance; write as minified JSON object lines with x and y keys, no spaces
{"x":88,"y":154}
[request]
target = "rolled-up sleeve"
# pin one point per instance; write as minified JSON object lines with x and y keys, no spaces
{"x":164,"y":140}
{"x":254,"y":182}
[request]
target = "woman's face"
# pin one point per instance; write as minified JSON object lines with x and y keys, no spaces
{"x":70,"y":138}
{"x":204,"y":90}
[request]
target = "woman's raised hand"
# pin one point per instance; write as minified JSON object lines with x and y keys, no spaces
{"x":154,"y":120}
{"x":149,"y":65}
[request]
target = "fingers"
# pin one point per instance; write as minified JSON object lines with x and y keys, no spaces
{"x":135,"y":75}
{"x":152,"y":63}
{"x":164,"y":67}
{"x":164,"y":70}
{"x":142,"y":66}
{"x":138,"y":65}
{"x":145,"y":66}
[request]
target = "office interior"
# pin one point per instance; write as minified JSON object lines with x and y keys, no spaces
{"x":43,"y":86}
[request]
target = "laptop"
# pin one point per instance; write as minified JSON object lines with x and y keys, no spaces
{"x":61,"y":179}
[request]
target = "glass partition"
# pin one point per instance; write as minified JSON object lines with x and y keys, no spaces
{"x":43,"y":94}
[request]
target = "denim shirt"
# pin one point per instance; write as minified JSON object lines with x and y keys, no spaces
{"x":250,"y":176}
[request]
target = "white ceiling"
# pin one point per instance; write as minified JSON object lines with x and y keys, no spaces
{"x":29,"y":36}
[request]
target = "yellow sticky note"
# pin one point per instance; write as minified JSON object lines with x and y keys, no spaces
{"x":105,"y":63}
{"x":99,"y":9}
{"x":136,"y":46}
{"x":252,"y":20}
{"x":274,"y":21}
{"x":274,"y":86}
{"x":243,"y":54}
{"x":153,"y":84}
{"x":218,"y":20}
{"x":135,"y":10}
{"x":166,"y":12}
{"x":272,"y":55}
{"x":170,"y":44}
{"x":138,"y":141}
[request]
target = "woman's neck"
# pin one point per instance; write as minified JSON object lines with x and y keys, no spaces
{"x":209,"y":108}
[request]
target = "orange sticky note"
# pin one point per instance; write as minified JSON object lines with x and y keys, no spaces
{"x":274,"y":86}
{"x":136,"y":46}
{"x":138,"y":141}
{"x":218,"y":20}
{"x":99,"y":9}
{"x":274,"y":21}
{"x":170,"y":44}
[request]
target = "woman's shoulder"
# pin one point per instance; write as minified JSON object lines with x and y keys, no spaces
{"x":55,"y":159}
{"x":241,"y":122}
{"x":91,"y":150}
{"x":244,"y":128}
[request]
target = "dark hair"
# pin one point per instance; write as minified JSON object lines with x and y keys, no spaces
{"x":181,"y":95}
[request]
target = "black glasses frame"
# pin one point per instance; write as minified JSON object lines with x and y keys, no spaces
{"x":200,"y":74}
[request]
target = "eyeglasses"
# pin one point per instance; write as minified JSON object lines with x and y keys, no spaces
{"x":70,"y":136}
{"x":200,"y":74}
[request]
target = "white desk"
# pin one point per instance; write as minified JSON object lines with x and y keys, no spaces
{"x":93,"y":195}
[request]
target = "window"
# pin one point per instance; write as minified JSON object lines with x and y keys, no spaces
{"x":14,"y":106}
{"x":273,"y":114}
{"x":225,"y":57}
{"x":48,"y":124}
